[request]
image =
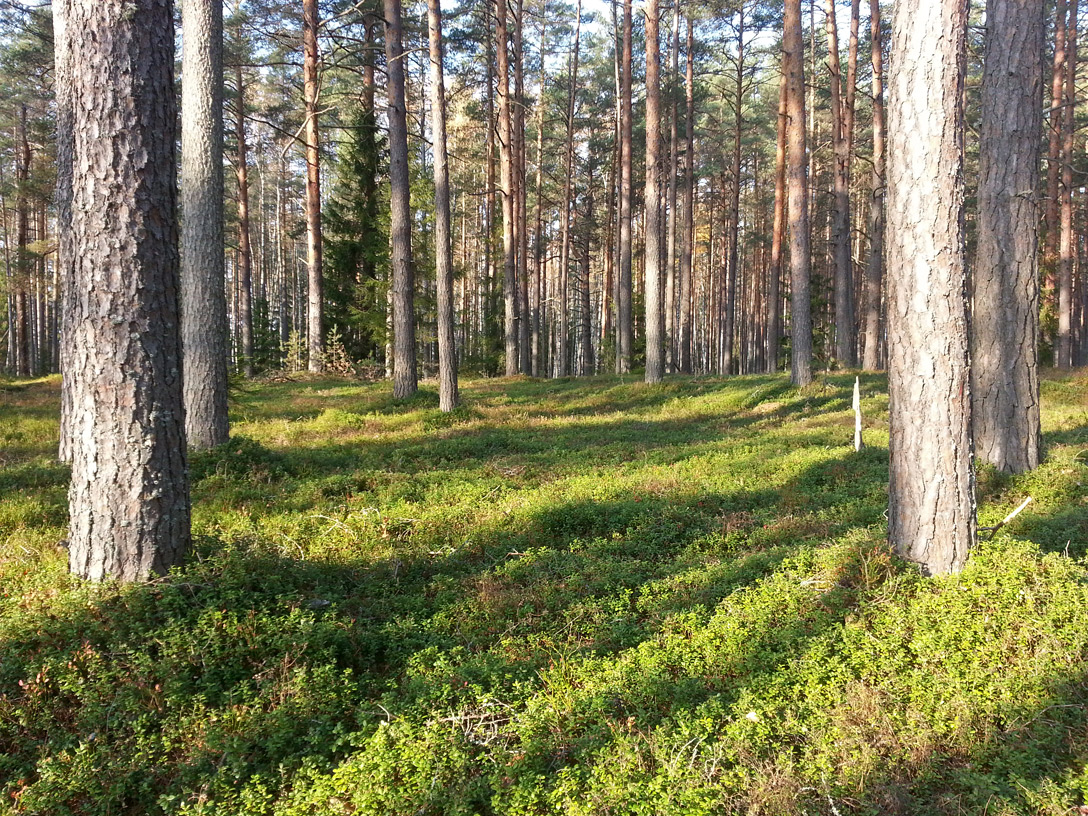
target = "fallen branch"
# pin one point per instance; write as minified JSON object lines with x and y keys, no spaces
{"x":993,"y":530}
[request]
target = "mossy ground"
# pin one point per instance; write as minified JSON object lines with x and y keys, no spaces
{"x":576,"y":597}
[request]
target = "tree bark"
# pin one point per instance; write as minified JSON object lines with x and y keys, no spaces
{"x":796,"y":138}
{"x":674,"y":162}
{"x":1054,"y":157}
{"x":655,"y":316}
{"x":506,"y":173}
{"x":521,"y":231}
{"x":841,"y":127}
{"x":315,"y":299}
{"x":774,"y":279}
{"x":65,"y":261}
{"x":624,"y":314}
{"x":245,"y":250}
{"x":875,"y":270}
{"x":129,"y":495}
{"x":405,"y":380}
{"x":204,"y":328}
{"x":21,"y":330}
{"x":687,"y":243}
{"x":447,"y":353}
{"x":1005,"y":318}
{"x":931,"y":513}
{"x":563,"y":331}
{"x":1063,"y":347}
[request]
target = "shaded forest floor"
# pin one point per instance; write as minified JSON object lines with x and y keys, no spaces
{"x":576,"y":597}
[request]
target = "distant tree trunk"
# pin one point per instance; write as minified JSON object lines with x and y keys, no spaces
{"x":405,"y":381}
{"x":1063,"y":350}
{"x":204,"y":326}
{"x":129,"y":495}
{"x":655,"y":317}
{"x":1005,"y":324}
{"x":447,"y":352}
{"x":687,"y":243}
{"x":774,"y":282}
{"x":563,"y":344}
{"x":538,"y":232}
{"x":931,"y":514}
{"x":315,"y":299}
{"x":1055,"y":119}
{"x":506,"y":172}
{"x":875,"y":270}
{"x":65,"y":261}
{"x":732,"y":270}
{"x":674,"y":160}
{"x":521,"y":231}
{"x":245,"y":251}
{"x":624,"y":314}
{"x":800,"y":258}
{"x":585,"y":324}
{"x":21,"y":329}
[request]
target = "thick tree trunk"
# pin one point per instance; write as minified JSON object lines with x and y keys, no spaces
{"x":874,"y":274}
{"x":624,"y":313}
{"x":405,"y":380}
{"x":447,"y":353}
{"x":800,"y":258}
{"x":931,"y":514}
{"x":315,"y":299}
{"x":1005,"y":318}
{"x":129,"y":495}
{"x":204,"y":327}
{"x":687,"y":243}
{"x":655,"y":317}
{"x":1063,"y":347}
{"x":245,"y":250}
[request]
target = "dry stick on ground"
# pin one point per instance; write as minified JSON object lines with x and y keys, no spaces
{"x":993,"y":530}
{"x":858,"y":444}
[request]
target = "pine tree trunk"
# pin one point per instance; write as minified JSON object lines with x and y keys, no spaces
{"x":203,"y":296}
{"x":674,"y":159}
{"x":778,"y":229}
{"x":874,"y":273}
{"x":687,"y":243}
{"x":405,"y":380}
{"x":732,"y":271}
{"x":447,"y":353}
{"x":315,"y":307}
{"x":624,"y":293}
{"x":655,"y":316}
{"x":800,"y":254}
{"x":1054,"y":158}
{"x":1063,"y":347}
{"x":840,"y":130}
{"x":563,"y":346}
{"x":931,"y":513}
{"x":506,"y":180}
{"x":65,"y":261}
{"x":1005,"y":319}
{"x":525,"y":363}
{"x":245,"y":250}
{"x":129,"y":495}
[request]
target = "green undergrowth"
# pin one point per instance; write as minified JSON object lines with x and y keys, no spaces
{"x":566,"y":597}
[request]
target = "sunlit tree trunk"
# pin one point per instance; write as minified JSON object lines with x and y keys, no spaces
{"x":875,"y":270}
{"x":800,"y":259}
{"x":506,"y":173}
{"x":624,"y":314}
{"x":129,"y":495}
{"x":1055,"y":120}
{"x":931,"y":512}
{"x":655,"y":317}
{"x":315,"y":298}
{"x":687,"y":243}
{"x":245,"y":250}
{"x":778,"y":229}
{"x":563,"y":330}
{"x":1063,"y":347}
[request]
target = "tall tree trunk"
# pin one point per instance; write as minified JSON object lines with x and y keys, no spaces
{"x":931,"y":513}
{"x":506,"y":172}
{"x":65,"y":236}
{"x":315,"y":299}
{"x":129,"y":495}
{"x":687,"y":244}
{"x":655,"y":317}
{"x":1005,"y":324}
{"x":800,"y":258}
{"x":521,"y":215}
{"x":624,"y":293}
{"x":1054,"y":158}
{"x":585,"y":324}
{"x":538,"y":231}
{"x":774,"y":274}
{"x":875,"y":271}
{"x":245,"y":251}
{"x":21,"y":329}
{"x":447,"y":357}
{"x":1063,"y":351}
{"x":563,"y":346}
{"x":732,"y":271}
{"x":204,"y":328}
{"x":674,"y":159}
{"x":405,"y":381}
{"x":841,"y":126}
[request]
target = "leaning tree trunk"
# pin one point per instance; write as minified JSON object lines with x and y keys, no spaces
{"x":793,"y":62}
{"x":129,"y":495}
{"x":315,"y":313}
{"x":655,"y":316}
{"x":1005,"y":319}
{"x":447,"y":353}
{"x":204,"y":327}
{"x":931,"y":512}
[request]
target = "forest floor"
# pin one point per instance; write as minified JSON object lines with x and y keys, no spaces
{"x":571,"y":597}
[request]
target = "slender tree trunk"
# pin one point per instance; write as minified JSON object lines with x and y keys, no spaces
{"x":1063,"y":351}
{"x":624,"y":314}
{"x":674,"y":158}
{"x":1005,"y":321}
{"x":506,"y":171}
{"x":129,"y":495}
{"x":841,"y":125}
{"x":315,"y":302}
{"x":521,"y":219}
{"x":22,"y":327}
{"x":875,"y":270}
{"x":800,"y":258}
{"x":204,"y":329}
{"x":65,"y":261}
{"x":538,"y":232}
{"x":405,"y":379}
{"x":774,"y":281}
{"x":1055,"y":121}
{"x":447,"y":358}
{"x":687,"y":244}
{"x":563,"y":345}
{"x":655,"y":316}
{"x":732,"y":271}
{"x":245,"y":251}
{"x":931,"y":513}
{"x":585,"y":324}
